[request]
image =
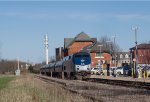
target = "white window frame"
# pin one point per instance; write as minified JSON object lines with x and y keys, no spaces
{"x":121,"y":56}
{"x":100,"y":56}
{"x":126,"y":56}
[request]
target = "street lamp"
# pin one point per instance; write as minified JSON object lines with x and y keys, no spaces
{"x":109,"y":51}
{"x":100,"y":55}
{"x":136,"y":55}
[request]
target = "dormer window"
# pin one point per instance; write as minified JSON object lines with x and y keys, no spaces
{"x":121,"y":56}
{"x":126,"y":56}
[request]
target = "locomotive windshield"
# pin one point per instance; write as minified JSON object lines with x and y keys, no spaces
{"x":86,"y":56}
{"x":78,"y":56}
{"x":82,"y":59}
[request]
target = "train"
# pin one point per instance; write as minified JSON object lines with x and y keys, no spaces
{"x":75,"y":66}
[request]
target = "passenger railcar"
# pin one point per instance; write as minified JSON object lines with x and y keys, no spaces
{"x":78,"y":64}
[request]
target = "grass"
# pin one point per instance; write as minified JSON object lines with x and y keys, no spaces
{"x":4,"y":81}
{"x":26,"y":88}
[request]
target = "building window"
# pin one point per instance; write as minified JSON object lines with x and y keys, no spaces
{"x":98,"y":55}
{"x":126,"y":56}
{"x":121,"y":56}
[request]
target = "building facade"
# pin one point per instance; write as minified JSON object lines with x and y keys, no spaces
{"x":59,"y":53}
{"x":143,"y":53}
{"x":73,"y":45}
{"x":100,"y":57}
{"x":123,"y":58}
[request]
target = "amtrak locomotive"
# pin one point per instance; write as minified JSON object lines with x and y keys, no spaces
{"x":73,"y":66}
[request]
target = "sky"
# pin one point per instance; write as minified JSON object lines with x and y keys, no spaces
{"x":24,"y":24}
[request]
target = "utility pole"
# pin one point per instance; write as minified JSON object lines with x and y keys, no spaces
{"x":46,"y":47}
{"x":109,"y":42}
{"x":114,"y":38}
{"x":136,"y":50}
{"x":100,"y":55}
{"x":18,"y":64}
{"x":17,"y":72}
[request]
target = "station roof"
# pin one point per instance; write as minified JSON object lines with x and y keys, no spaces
{"x":95,"y":48}
{"x":81,"y":37}
{"x":142,"y":46}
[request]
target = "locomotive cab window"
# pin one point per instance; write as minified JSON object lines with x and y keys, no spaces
{"x":85,"y":55}
{"x":78,"y":56}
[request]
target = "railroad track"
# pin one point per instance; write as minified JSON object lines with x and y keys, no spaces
{"x":126,"y":83}
{"x":134,"y":84}
{"x":99,"y":90}
{"x":71,"y":86}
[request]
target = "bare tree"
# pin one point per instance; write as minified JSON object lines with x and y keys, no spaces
{"x":104,"y":41}
{"x":10,"y":66}
{"x":110,"y":47}
{"x":7,"y":66}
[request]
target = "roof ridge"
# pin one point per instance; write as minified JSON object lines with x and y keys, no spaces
{"x":80,"y":37}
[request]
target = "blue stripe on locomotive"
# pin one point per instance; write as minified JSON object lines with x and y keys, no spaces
{"x":82,"y":58}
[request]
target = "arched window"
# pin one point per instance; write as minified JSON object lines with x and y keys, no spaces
{"x":121,"y":56}
{"x":126,"y":56}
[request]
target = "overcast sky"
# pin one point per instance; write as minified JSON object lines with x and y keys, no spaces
{"x":24,"y":24}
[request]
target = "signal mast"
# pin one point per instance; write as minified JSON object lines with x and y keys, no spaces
{"x":46,"y":47}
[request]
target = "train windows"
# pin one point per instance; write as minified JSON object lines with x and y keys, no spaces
{"x":85,"y":55}
{"x":78,"y":56}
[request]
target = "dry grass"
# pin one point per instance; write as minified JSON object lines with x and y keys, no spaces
{"x":26,"y":88}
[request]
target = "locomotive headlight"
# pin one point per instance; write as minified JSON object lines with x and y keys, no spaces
{"x":77,"y":67}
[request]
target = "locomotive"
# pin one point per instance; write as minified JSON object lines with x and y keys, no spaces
{"x":75,"y":66}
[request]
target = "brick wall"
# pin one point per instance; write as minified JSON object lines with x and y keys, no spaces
{"x":94,"y":60}
{"x":143,"y":56}
{"x":77,"y":46}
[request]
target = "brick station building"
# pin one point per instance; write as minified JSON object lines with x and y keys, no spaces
{"x":82,"y":42}
{"x":73,"y":45}
{"x":99,"y":56}
{"x":143,"y":52}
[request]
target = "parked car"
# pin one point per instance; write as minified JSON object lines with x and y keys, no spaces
{"x":122,"y":70}
{"x":119,"y":71}
{"x":96,"y":71}
{"x":147,"y":69}
{"x":112,"y":70}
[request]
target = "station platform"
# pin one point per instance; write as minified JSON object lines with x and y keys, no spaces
{"x":146,"y":80}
